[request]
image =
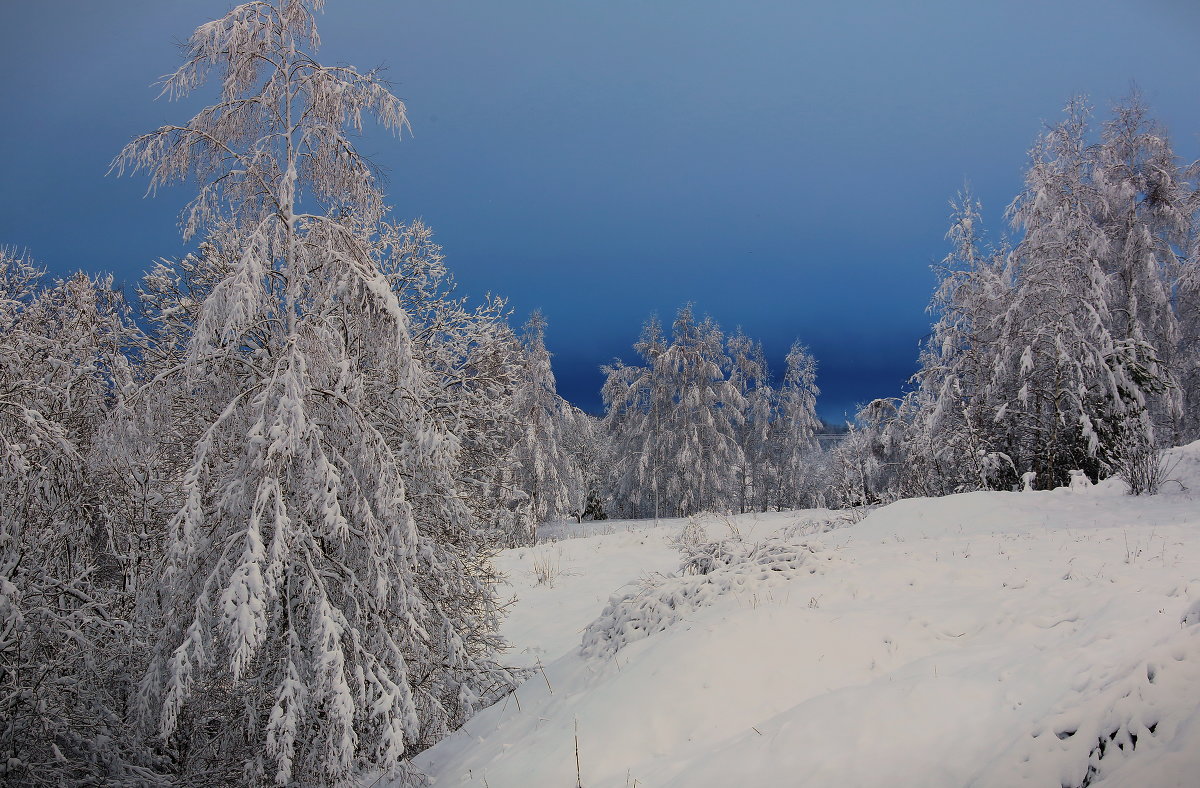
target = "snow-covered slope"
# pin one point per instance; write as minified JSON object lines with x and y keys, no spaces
{"x":990,"y":639}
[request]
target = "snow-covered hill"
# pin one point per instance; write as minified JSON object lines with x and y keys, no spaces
{"x":990,"y":639}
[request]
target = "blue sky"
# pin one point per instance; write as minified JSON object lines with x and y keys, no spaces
{"x":786,"y":165}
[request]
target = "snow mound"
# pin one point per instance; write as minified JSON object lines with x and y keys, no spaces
{"x":709,"y":571}
{"x":1049,"y":638}
{"x":1183,"y":468}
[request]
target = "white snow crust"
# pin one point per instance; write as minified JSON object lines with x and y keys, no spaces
{"x":985,"y":639}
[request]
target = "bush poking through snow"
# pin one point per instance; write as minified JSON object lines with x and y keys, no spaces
{"x":802,"y":529}
{"x":709,"y":570}
{"x":547,"y":566}
{"x":1144,"y":469}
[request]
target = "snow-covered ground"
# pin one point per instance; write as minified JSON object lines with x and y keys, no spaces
{"x":992,"y":639}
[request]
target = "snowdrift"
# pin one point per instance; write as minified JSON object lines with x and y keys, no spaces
{"x":986,"y":639}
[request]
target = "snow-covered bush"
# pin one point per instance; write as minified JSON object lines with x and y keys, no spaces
{"x":709,"y":571}
{"x":1142,"y":466}
{"x":65,"y":637}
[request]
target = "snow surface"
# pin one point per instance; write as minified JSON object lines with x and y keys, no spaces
{"x":986,"y":639}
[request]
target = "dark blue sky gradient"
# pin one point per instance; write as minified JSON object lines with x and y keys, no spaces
{"x":784,"y":164}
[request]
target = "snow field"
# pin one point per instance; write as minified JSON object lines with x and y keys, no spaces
{"x":989,"y":639}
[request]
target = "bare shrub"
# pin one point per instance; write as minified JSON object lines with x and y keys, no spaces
{"x":547,"y":566}
{"x":1142,"y":466}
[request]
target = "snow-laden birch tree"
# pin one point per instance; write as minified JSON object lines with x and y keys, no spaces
{"x":793,"y":431}
{"x":750,"y":376}
{"x":547,"y":471}
{"x":1072,"y":390}
{"x":673,"y":421}
{"x":1058,"y":355}
{"x":699,"y":443}
{"x":309,"y":625}
{"x":1147,"y":213}
{"x":955,"y":435}
{"x":1187,"y":304}
{"x":869,"y":465}
{"x":1069,"y":351}
{"x":635,"y":401}
{"x":473,"y":362}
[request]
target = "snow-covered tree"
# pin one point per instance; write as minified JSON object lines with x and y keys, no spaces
{"x":699,"y":439}
{"x":794,"y":426}
{"x":635,"y":399}
{"x":1187,"y":305}
{"x":1146,"y":209}
{"x":673,"y":421}
{"x":1071,"y":389}
{"x":750,"y":376}
{"x":474,"y":363}
{"x":954,"y":437}
{"x":547,"y":472}
{"x":63,"y":606}
{"x":308,"y":624}
{"x":591,"y":451}
{"x":868,"y":466}
{"x":1061,"y":354}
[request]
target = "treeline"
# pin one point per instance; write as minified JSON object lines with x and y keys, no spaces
{"x":699,"y":425}
{"x":1074,"y":348}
